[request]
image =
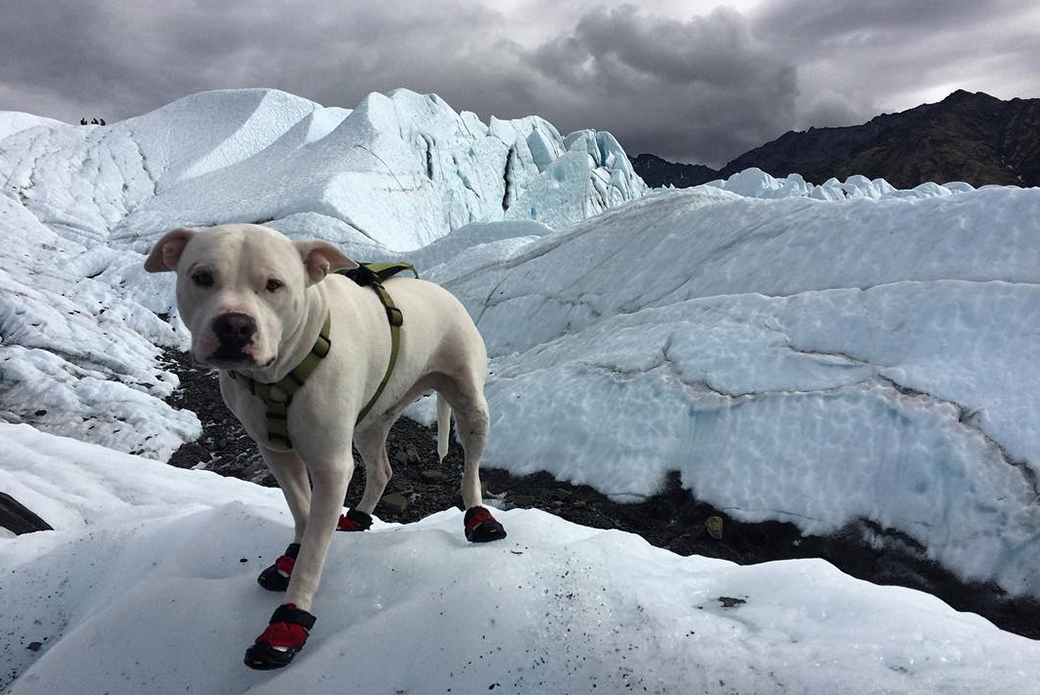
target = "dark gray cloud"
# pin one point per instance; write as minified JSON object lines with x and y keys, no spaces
{"x":706,"y":85}
{"x":698,"y":88}
{"x":858,"y":58}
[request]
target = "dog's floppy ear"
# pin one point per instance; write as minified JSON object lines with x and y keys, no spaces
{"x":167,"y":251}
{"x":321,"y":258}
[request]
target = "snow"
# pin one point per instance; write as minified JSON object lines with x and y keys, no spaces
{"x":555,"y":608}
{"x":755,"y":183}
{"x":817,"y":362}
{"x":77,"y":356}
{"x":846,"y":357}
{"x":12,"y":122}
{"x":82,"y":204}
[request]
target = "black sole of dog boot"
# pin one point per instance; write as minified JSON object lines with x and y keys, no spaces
{"x":481,"y":527}
{"x":272,"y":578}
{"x":354,"y":521}
{"x":264,"y":657}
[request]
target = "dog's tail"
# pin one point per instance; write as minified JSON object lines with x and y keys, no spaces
{"x":443,"y":426}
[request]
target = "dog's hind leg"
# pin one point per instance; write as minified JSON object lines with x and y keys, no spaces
{"x":291,"y":473}
{"x":466,"y":397}
{"x":371,"y":444}
{"x":471,"y":420}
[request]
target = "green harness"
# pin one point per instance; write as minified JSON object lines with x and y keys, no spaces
{"x":278,"y":396}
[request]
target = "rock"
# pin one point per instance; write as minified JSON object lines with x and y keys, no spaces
{"x":15,"y":517}
{"x":395,"y":503}
{"x":432,"y":475}
{"x":412,"y":453}
{"x":256,"y":467}
{"x":714,"y":526}
{"x":657,"y":172}
{"x":400,"y":458}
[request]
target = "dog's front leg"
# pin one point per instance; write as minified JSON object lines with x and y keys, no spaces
{"x":292,"y":621}
{"x":291,"y":473}
{"x":329,"y":491}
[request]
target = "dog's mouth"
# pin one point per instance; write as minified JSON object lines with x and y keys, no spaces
{"x":234,"y":359}
{"x":226,"y":361}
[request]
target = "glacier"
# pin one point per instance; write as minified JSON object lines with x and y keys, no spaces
{"x":814,"y":361}
{"x":81,"y":205}
{"x":844,"y":356}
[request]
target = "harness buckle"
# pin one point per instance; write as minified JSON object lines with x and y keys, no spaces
{"x":394,"y":315}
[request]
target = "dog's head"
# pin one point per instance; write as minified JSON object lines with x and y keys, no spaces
{"x":241,"y":288}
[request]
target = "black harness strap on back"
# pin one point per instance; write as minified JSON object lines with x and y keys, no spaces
{"x":372,"y":275}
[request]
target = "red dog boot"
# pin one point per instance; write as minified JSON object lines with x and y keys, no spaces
{"x":354,"y":520}
{"x":276,"y":577}
{"x":284,"y":636}
{"x":481,"y":527}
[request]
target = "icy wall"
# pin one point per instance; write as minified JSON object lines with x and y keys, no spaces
{"x":79,"y":335}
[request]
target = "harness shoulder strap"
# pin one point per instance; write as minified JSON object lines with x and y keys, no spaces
{"x":396,"y":319}
{"x":375,"y":273}
{"x":372,"y":275}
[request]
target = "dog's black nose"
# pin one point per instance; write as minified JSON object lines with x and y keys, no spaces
{"x":234,"y":331}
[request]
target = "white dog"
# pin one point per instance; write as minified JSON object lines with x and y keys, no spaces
{"x":256,"y":303}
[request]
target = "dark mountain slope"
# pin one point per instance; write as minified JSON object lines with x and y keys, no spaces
{"x":968,"y":137}
{"x":657,"y":172}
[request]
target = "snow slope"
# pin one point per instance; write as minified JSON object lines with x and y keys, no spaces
{"x":78,"y":325}
{"x":148,"y":585}
{"x":12,"y":122}
{"x":817,"y":362}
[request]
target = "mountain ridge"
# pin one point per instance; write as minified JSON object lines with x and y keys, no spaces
{"x":970,"y":137}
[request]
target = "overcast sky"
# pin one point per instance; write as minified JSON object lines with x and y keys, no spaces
{"x":691,"y":81}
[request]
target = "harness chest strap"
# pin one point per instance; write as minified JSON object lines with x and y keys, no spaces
{"x":278,"y":396}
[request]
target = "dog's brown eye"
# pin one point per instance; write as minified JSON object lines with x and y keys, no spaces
{"x":273,"y":285}
{"x":202,"y":279}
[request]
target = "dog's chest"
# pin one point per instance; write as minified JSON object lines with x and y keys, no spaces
{"x":249,"y":410}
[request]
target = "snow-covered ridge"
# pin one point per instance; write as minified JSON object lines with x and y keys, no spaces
{"x":81,"y":204}
{"x":755,"y":183}
{"x":12,"y":122}
{"x":400,"y":170}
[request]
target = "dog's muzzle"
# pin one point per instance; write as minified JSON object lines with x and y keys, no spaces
{"x":234,"y":332}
